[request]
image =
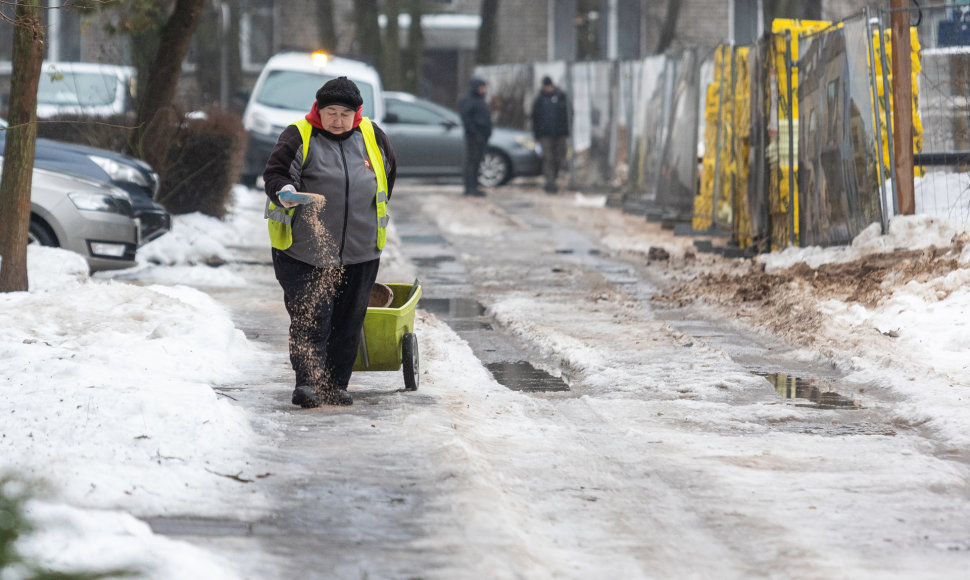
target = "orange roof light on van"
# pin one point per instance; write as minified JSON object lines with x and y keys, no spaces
{"x":320,"y":58}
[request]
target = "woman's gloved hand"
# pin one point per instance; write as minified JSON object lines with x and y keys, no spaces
{"x":289,"y":197}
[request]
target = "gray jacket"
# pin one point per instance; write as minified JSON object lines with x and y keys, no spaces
{"x":343,"y":230}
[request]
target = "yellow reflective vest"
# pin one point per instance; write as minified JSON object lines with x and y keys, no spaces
{"x":280,"y":219}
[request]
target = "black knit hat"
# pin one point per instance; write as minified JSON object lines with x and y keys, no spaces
{"x":339,"y":91}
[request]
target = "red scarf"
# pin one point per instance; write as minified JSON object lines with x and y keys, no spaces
{"x":314,"y":116}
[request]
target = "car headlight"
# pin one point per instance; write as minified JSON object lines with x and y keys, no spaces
{"x":258,"y":124}
{"x":526,"y":142}
{"x":99,"y":202}
{"x":120,"y":171}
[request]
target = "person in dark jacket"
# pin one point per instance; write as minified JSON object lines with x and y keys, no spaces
{"x":550,"y":126}
{"x":328,"y":269}
{"x":477,"y":120}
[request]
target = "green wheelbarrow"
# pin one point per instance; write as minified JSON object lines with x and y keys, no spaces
{"x":388,"y":342}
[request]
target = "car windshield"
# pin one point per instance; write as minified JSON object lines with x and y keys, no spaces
{"x":425,"y":113}
{"x":70,"y":88}
{"x":286,"y":89}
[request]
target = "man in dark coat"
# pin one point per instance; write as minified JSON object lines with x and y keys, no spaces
{"x":550,"y":125}
{"x":477,"y":120}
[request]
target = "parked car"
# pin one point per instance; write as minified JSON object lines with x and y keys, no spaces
{"x":428,"y":141}
{"x":285,"y":91}
{"x":89,"y":217}
{"x":129,"y":173}
{"x":84,"y":88}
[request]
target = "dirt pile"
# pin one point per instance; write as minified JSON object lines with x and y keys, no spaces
{"x":786,"y":302}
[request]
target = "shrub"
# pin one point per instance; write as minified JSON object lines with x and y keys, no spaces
{"x":113,"y":133}
{"x":203,"y":163}
{"x":202,"y":160}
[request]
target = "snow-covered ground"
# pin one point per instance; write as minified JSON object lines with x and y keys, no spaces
{"x":107,"y":398}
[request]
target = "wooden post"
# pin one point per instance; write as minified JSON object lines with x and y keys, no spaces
{"x":902,"y":88}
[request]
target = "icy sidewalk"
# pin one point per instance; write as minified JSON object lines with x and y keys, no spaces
{"x":665,"y":459}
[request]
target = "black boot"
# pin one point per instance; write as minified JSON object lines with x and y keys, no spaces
{"x":337,"y":397}
{"x":306,"y":397}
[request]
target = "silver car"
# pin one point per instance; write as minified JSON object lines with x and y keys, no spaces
{"x":429,"y":141}
{"x":85,"y":216}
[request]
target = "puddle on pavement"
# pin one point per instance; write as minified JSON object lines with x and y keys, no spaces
{"x":452,"y":307}
{"x":459,"y":325}
{"x":808,"y":392}
{"x":209,"y":527}
{"x":522,"y":376}
{"x":467,"y":318}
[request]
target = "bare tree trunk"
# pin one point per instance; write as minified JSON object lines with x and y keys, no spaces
{"x":238,"y":96}
{"x":156,"y":119}
{"x":487,"y":33}
{"x":412,"y":77}
{"x":326,"y":26}
{"x":18,"y":161}
{"x":391,"y":72}
{"x":208,"y":54}
{"x":669,"y":29}
{"x":369,"y":31}
{"x":143,"y":41}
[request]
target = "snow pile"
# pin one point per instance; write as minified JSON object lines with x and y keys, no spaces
{"x":198,"y":245}
{"x":905,"y":233}
{"x":112,"y":396}
{"x":108,"y":403}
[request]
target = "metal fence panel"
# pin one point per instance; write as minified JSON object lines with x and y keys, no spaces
{"x":740,"y":146}
{"x":838,"y":181}
{"x":677,"y":183}
{"x":649,"y":120}
{"x":758,"y":180}
{"x":594,"y":89}
{"x":510,"y":93}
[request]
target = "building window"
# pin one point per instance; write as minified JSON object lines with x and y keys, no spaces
{"x":255,"y":33}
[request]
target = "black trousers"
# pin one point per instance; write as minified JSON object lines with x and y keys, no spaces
{"x":326,"y":308}
{"x":474,"y":153}
{"x":553,"y":154}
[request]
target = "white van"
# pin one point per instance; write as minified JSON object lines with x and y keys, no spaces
{"x":285,"y":92}
{"x":85,"y":88}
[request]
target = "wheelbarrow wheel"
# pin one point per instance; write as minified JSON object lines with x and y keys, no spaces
{"x":409,"y":358}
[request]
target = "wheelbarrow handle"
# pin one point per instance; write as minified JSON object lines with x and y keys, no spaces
{"x":414,"y":288}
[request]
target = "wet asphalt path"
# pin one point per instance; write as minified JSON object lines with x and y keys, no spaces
{"x":340,"y":513}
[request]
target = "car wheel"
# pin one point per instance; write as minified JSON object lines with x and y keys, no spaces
{"x":41,"y":233}
{"x":495,"y":170}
